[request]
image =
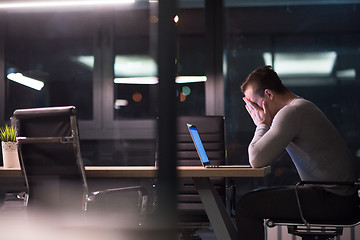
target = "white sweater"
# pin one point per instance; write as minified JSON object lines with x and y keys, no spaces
{"x":313,"y":143}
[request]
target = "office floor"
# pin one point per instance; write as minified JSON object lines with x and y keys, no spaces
{"x":10,"y":205}
{"x":201,"y":234}
{"x":206,"y":234}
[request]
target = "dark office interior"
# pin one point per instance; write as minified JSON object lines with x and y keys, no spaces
{"x":88,"y":56}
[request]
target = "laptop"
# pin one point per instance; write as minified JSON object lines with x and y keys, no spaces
{"x":202,"y":153}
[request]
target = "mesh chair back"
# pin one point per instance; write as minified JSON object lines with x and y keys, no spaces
{"x":50,"y":157}
{"x":211,"y":130}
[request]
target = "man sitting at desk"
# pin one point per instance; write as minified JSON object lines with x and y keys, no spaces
{"x":285,"y":121}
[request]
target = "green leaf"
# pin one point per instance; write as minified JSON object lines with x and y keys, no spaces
{"x":8,"y":134}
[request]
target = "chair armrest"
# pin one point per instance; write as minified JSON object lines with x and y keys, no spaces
{"x":352,"y":184}
{"x":142,"y":197}
{"x":24,"y":140}
{"x":132,"y":188}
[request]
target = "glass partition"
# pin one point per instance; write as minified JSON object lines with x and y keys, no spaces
{"x":314,"y":49}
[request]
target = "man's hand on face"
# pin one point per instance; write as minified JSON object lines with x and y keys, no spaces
{"x":258,"y":114}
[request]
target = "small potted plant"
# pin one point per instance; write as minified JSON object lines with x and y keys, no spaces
{"x":9,"y":147}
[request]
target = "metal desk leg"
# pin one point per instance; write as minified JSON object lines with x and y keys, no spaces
{"x":219,"y":218}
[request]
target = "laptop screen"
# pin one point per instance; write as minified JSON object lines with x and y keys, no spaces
{"x":198,"y":144}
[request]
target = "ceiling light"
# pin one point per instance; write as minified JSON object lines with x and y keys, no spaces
{"x":47,"y":4}
{"x":190,"y":79}
{"x":86,"y":61}
{"x":135,"y":69}
{"x":348,"y":74}
{"x":137,"y":80}
{"x":301,"y":63}
{"x":176,"y":18}
{"x":125,"y":65}
{"x":26,"y":81}
{"x":135,"y":66}
{"x":154,"y":80}
{"x":120,"y":103}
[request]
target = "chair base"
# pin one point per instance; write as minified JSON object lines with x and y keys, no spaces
{"x":306,"y":233}
{"x":189,"y":234}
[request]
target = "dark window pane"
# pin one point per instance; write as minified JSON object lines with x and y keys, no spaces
{"x":55,"y":49}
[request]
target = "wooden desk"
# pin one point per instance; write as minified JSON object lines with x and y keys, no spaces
{"x":150,"y":172}
{"x":220,"y":220}
{"x":183,"y":171}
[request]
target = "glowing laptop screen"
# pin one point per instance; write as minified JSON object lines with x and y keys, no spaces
{"x":198,"y":144}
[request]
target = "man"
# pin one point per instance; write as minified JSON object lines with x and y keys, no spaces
{"x":285,"y":121}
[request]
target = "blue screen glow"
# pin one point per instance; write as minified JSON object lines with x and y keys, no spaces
{"x":199,"y":146}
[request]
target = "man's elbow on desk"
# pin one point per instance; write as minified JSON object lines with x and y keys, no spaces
{"x":257,"y":165}
{"x":257,"y":161}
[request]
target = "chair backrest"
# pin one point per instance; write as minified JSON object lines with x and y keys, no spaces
{"x":50,"y":157}
{"x":211,"y":130}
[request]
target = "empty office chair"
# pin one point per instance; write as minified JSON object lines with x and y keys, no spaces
{"x":52,"y":165}
{"x":317,"y":230}
{"x":212,"y":132}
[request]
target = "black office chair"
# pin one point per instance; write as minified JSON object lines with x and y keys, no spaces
{"x":190,"y":209}
{"x":51,"y":163}
{"x":315,"y":230}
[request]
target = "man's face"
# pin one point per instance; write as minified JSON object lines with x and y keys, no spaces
{"x":253,"y":97}
{"x":258,"y":100}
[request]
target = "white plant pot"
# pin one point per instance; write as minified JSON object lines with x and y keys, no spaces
{"x":10,"y":155}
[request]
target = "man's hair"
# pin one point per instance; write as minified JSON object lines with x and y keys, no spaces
{"x":263,"y":78}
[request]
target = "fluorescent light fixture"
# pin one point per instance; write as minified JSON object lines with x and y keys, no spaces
{"x":49,"y":4}
{"x":87,"y":61}
{"x":137,"y":80}
{"x":190,"y":79}
{"x":302,"y":64}
{"x":136,"y":69}
{"x":346,"y":74}
{"x":125,"y":65}
{"x":267,"y":58}
{"x":121,"y":102}
{"x":154,"y":80}
{"x":135,"y":66}
{"x":26,"y":81}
